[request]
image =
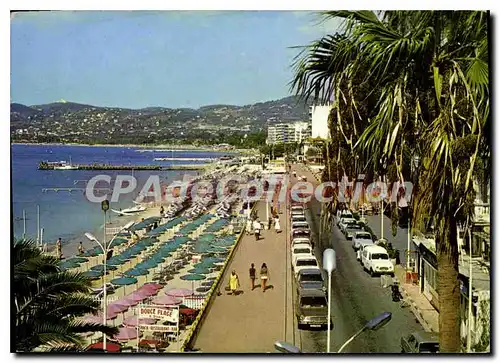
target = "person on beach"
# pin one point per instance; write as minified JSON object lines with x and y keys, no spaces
{"x":256,"y":227}
{"x":252,"y":276}
{"x":234,"y":282}
{"x":277,"y":225}
{"x":264,"y":276}
{"x":81,"y":250}
{"x":162,"y":211}
{"x":59,"y":248}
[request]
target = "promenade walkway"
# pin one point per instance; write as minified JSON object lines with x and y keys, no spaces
{"x":252,"y":321}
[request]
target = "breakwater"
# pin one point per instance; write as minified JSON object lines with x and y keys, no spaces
{"x":48,"y":166}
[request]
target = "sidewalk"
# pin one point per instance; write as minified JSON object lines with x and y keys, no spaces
{"x":252,"y":321}
{"x":420,"y":306}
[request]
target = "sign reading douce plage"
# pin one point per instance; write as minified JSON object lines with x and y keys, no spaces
{"x":168,"y":314}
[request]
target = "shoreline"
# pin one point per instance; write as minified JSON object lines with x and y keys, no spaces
{"x":142,"y":146}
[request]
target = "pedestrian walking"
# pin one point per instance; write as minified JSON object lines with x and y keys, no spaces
{"x":234,"y":282}
{"x":312,"y":245}
{"x":162,"y":211}
{"x":81,"y":250}
{"x":277,"y":225}
{"x":264,"y":276}
{"x":269,"y":223}
{"x":256,"y":227}
{"x":252,"y":275}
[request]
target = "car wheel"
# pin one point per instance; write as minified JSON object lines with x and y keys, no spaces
{"x":372,"y":273}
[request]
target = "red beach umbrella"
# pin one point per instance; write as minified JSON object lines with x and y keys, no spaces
{"x":110,"y":347}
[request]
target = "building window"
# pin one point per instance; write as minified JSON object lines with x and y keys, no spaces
{"x":430,"y":276}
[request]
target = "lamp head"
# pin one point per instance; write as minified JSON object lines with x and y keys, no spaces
{"x":329,"y":260}
{"x":378,"y":321}
{"x":90,"y":236}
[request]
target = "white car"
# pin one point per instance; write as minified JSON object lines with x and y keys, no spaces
{"x":298,"y":218}
{"x":300,"y":225}
{"x":297,"y":210}
{"x":351,"y":230}
{"x":344,"y":222}
{"x":301,"y":240}
{"x":303,"y":262}
{"x":343,"y":214}
{"x":301,"y":250}
{"x":361,"y":247}
{"x":375,"y":260}
{"x":361,"y":237}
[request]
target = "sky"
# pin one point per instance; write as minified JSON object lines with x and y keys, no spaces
{"x":138,"y":59}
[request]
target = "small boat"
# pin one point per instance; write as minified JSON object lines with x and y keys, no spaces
{"x":130,"y":211}
{"x":63,"y":165}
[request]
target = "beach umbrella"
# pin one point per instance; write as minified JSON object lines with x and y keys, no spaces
{"x":67,"y":265}
{"x":136,"y":297}
{"x":93,"y":319}
{"x":119,"y":241}
{"x":93,"y":274}
{"x":223,"y":243}
{"x":117,"y":307}
{"x":203,"y":289}
{"x":128,"y":301}
{"x":193,"y":278}
{"x":152,"y":284}
{"x":115,"y":261}
{"x":208,"y":283}
{"x":77,"y":260}
{"x":133,"y":321}
{"x":179,"y":292}
{"x":123,"y":281}
{"x":90,"y":253}
{"x":199,"y":270}
{"x":110,"y":347}
{"x":136,"y":272}
{"x":126,"y":333}
{"x":212,"y":259}
{"x":101,"y":267}
{"x":166,"y":300}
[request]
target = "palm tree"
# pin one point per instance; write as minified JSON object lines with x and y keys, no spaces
{"x":428,"y":71}
{"x":48,"y":302}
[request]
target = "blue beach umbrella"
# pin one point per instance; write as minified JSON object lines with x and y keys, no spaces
{"x":118,"y":241}
{"x":122,"y":281}
{"x":201,"y":271}
{"x":93,"y":274}
{"x":68,"y":265}
{"x":100,"y":268}
{"x":135,"y":272}
{"x":77,"y":260}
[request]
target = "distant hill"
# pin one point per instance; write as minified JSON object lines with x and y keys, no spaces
{"x":74,"y":122}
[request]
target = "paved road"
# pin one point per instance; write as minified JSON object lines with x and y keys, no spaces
{"x":356,"y":297}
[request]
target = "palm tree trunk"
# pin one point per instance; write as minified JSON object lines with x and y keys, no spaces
{"x":448,"y":288}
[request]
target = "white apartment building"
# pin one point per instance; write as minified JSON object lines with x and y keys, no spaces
{"x":282,"y":133}
{"x":318,"y":116}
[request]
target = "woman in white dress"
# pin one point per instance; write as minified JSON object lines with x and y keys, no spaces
{"x":277,"y":226}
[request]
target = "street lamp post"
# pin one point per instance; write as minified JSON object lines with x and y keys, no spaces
{"x":373,"y":324}
{"x":329,"y":265}
{"x":105,"y":250}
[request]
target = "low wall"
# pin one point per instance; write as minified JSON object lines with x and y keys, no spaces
{"x":193,"y":330}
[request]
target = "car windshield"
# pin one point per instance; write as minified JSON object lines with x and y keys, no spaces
{"x":429,"y":347}
{"x":380,"y":256}
{"x":363,"y":236}
{"x":313,"y":302}
{"x":306,"y":263}
{"x":299,"y":218}
{"x":301,"y":250}
{"x":311,"y":278}
{"x":300,"y":225}
{"x":301,"y":234}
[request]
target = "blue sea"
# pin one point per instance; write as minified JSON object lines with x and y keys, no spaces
{"x":69,"y":214}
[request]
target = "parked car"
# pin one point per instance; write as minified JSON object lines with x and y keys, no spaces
{"x":375,"y":260}
{"x":303,"y":262}
{"x":344,"y":222}
{"x":302,"y":249}
{"x":311,"y":309}
{"x":351,"y":230}
{"x":298,"y":240}
{"x":297,"y":210}
{"x":420,"y":342}
{"x":298,"y":218}
{"x":343,"y":214}
{"x":301,"y":233}
{"x":362,"y":246}
{"x":300,"y":225}
{"x":310,"y":278}
{"x":361,"y":237}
